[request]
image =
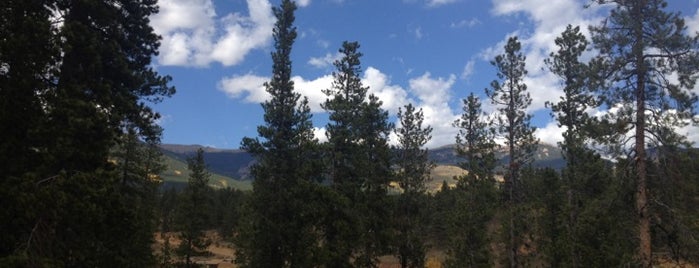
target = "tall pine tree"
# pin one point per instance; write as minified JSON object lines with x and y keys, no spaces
{"x":414,"y":168}
{"x":647,"y":66}
{"x":90,"y":81}
{"x":359,"y":166}
{"x":586,"y":176}
{"x":510,"y":95}
{"x":280,"y":230}
{"x":468,"y":244}
{"x":192,"y":214}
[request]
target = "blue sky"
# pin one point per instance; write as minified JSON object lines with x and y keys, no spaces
{"x":431,"y":53}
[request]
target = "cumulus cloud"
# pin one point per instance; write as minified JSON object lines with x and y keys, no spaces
{"x":193,"y":34}
{"x":313,"y":90}
{"x":549,"y":19}
{"x":325,"y":61}
{"x":693,"y":23}
{"x":319,"y":133}
{"x":303,"y":3}
{"x":433,"y":95}
{"x":248,"y":87}
{"x":392,"y":96}
{"x":550,"y":134}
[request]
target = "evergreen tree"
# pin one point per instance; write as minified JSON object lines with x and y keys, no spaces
{"x":586,"y":177}
{"x":359,"y":167}
{"x":468,"y":243}
{"x":193,"y":210}
{"x":414,"y":169}
{"x":475,"y":142}
{"x":641,"y":46}
{"x":280,"y":231}
{"x":27,"y":54}
{"x":344,"y":105}
{"x":513,"y":124}
{"x":82,"y":84}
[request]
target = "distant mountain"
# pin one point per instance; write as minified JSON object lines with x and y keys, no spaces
{"x":546,"y":155}
{"x":235,"y":164}
{"x":227,"y":162}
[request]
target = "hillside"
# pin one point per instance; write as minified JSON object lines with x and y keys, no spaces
{"x":231,"y":168}
{"x":176,"y":175}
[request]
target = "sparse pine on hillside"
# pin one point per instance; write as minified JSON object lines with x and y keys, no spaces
{"x":510,"y":95}
{"x":647,"y":67}
{"x":414,"y":168}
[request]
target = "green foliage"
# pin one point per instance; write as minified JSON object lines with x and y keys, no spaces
{"x":280,"y":230}
{"x":413,"y":171}
{"x":513,"y":124}
{"x":76,"y":94}
{"x":641,"y":46}
{"x":193,"y":210}
{"x":359,"y":167}
{"x":475,"y":141}
{"x":476,"y":193}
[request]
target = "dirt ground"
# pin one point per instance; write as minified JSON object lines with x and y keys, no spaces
{"x":223,"y":253}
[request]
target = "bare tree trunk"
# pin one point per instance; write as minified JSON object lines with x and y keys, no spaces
{"x":644,"y":236}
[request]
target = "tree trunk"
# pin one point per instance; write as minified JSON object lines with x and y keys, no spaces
{"x":644,"y":236}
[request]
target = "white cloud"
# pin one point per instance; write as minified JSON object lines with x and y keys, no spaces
{"x":468,"y":69}
{"x":466,"y":23}
{"x":436,"y":3}
{"x":303,"y":3}
{"x":542,"y":88}
{"x":549,"y":19}
{"x":434,"y":95}
{"x":193,"y":35}
{"x":550,"y":134}
{"x":249,"y":87}
{"x":379,"y":84}
{"x":693,"y":23}
{"x":320,"y":134}
{"x":325,"y":61}
{"x":313,"y":90}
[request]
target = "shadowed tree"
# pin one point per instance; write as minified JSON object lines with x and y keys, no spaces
{"x":193,"y":210}
{"x":414,"y":169}
{"x":356,"y":230}
{"x":280,"y":232}
{"x":510,"y":95}
{"x":646,"y":68}
{"x":476,"y":195}
{"x":89,"y":78}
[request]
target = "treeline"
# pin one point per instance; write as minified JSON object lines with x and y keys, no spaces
{"x":79,"y":155}
{"x":327,"y":204}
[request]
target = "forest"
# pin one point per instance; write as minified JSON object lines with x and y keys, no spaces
{"x":80,"y":162}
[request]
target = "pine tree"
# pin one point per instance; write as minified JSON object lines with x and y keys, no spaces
{"x":193,"y":210}
{"x":87,"y":80}
{"x":468,"y":244}
{"x":414,"y":169}
{"x":359,"y":166}
{"x":345,"y":100}
{"x":586,"y":176}
{"x":475,"y":142}
{"x":27,"y":54}
{"x":513,"y":124}
{"x":641,"y":46}
{"x":280,"y":231}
